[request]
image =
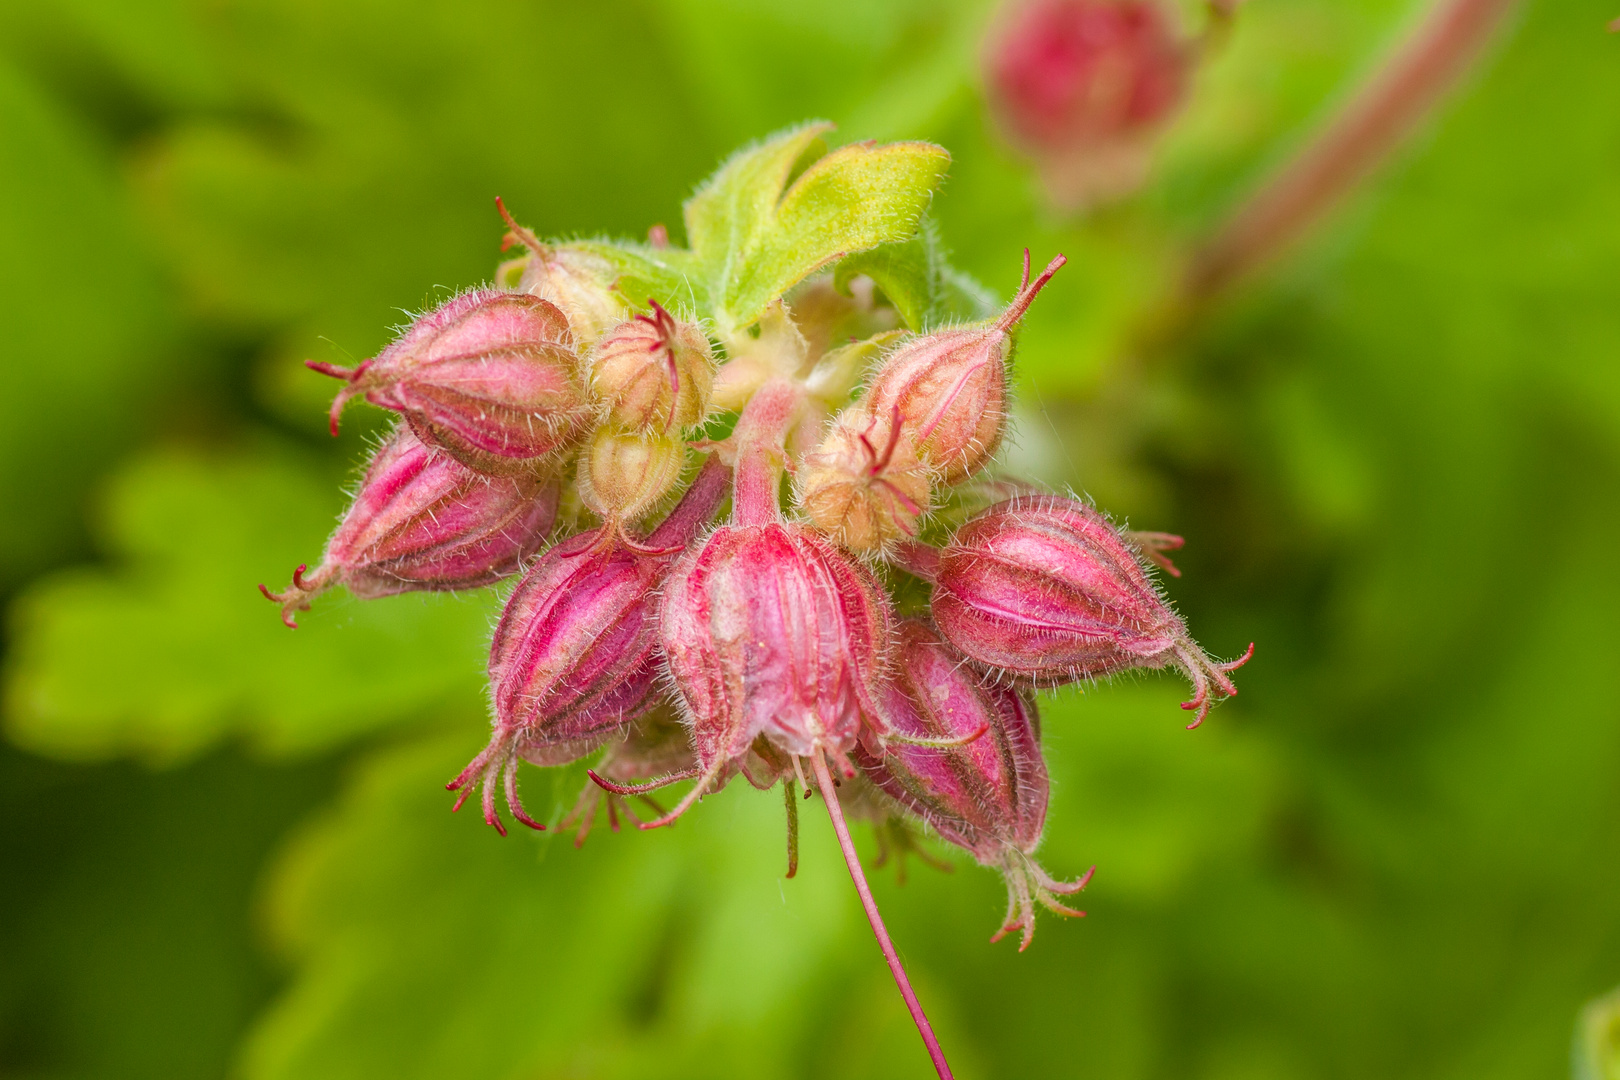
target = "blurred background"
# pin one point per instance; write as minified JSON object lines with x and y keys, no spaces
{"x":1394,"y":451}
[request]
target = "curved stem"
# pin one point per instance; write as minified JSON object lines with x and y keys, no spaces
{"x":761,"y":441}
{"x":830,"y":796}
{"x":1374,"y":121}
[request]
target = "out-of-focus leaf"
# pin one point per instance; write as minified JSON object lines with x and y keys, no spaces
{"x":126,"y":911}
{"x":1597,"y":1040}
{"x":172,"y":649}
{"x":88,"y":328}
{"x":427,"y":944}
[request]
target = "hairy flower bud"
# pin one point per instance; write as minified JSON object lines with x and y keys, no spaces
{"x":949,"y":388}
{"x":1045,"y":588}
{"x":624,"y":474}
{"x":574,"y":657}
{"x":770,"y":630}
{"x":862,"y":494}
{"x":491,"y":377}
{"x":422,"y":520}
{"x":987,"y":795}
{"x":578,"y":281}
{"x":654,"y":373}
{"x":1084,"y":85}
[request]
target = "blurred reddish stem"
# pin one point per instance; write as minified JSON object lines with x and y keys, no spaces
{"x":1379,"y":114}
{"x":829,"y":795}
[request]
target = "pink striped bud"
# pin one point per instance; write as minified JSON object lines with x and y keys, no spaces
{"x":948,"y":389}
{"x":1046,"y":589}
{"x":423,"y":520}
{"x":863,"y":494}
{"x":1084,"y":85}
{"x":769,"y":630}
{"x":654,"y":373}
{"x":490,"y":377}
{"x":575,"y":656}
{"x":987,"y":795}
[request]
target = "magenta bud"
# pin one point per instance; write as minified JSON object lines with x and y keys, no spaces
{"x":1046,"y":589}
{"x":769,"y":630}
{"x":491,"y":377}
{"x":1084,"y":86}
{"x":987,"y":795}
{"x":422,"y":520}
{"x":948,"y":389}
{"x":574,"y":658}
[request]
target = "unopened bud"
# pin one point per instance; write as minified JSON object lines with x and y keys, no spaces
{"x":578,"y":281}
{"x":491,"y":377}
{"x":624,"y":474}
{"x":422,"y":520}
{"x":654,"y":373}
{"x":770,"y":630}
{"x":575,"y":656}
{"x":1084,"y":85}
{"x":987,"y":795}
{"x":863,"y":494}
{"x":1046,"y":589}
{"x":949,"y":388}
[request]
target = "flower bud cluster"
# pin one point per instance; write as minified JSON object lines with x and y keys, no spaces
{"x":767,"y":646}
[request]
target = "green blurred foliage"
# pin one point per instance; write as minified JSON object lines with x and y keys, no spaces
{"x":1397,"y":854}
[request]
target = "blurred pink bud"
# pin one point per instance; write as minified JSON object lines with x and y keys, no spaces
{"x":422,"y":520}
{"x":1084,"y":85}
{"x":771,"y":630}
{"x":575,"y":656}
{"x":948,"y":389}
{"x":1046,"y":589}
{"x":987,"y":795}
{"x":491,"y":377}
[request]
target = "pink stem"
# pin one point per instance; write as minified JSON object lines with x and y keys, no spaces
{"x":830,"y":796}
{"x":761,"y":441}
{"x":1378,"y":116}
{"x":696,"y":507}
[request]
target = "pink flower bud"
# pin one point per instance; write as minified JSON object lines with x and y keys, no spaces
{"x":491,"y":377}
{"x":574,"y":658}
{"x":1084,"y":85}
{"x":769,"y":630}
{"x":987,"y":795}
{"x":654,"y":373}
{"x":863,"y":494}
{"x":948,"y":389}
{"x":1044,"y":588}
{"x":423,"y":520}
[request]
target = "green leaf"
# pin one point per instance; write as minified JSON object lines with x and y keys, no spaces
{"x":751,"y":241}
{"x":918,"y":279}
{"x":855,"y":198}
{"x":173,"y":649}
{"x":732,"y":210}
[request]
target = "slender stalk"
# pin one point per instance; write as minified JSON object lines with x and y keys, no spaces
{"x":829,"y":795}
{"x":760,"y":439}
{"x":1378,"y":116}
